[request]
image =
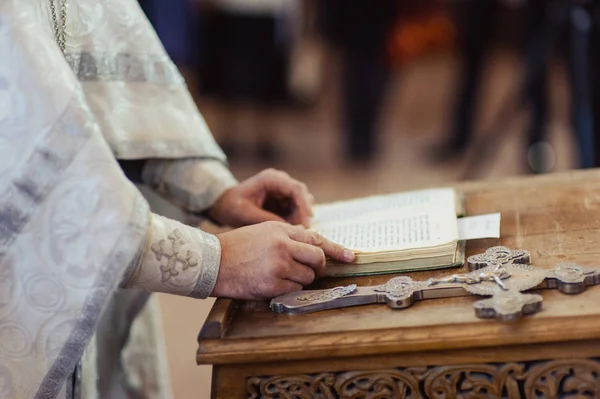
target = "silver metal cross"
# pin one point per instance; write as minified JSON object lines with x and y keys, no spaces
{"x":500,"y":273}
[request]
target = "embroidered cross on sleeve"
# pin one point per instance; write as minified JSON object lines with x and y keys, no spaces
{"x":170,"y":253}
{"x":176,"y":259}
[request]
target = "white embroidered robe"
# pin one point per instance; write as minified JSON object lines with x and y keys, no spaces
{"x":79,"y":248}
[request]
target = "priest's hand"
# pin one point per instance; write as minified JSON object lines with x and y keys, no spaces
{"x":271,"y":195}
{"x":270,"y":259}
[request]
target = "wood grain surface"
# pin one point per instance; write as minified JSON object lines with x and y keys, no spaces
{"x":555,"y":217}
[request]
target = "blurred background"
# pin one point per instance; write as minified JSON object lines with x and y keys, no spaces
{"x":358,"y":97}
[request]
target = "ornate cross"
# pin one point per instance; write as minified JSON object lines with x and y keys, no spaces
{"x":500,"y":273}
{"x":171,"y":250}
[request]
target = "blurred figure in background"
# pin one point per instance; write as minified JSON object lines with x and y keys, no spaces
{"x":176,"y":24}
{"x":478,"y":23}
{"x":539,"y":154}
{"x":244,"y":67}
{"x":476,"y":26}
{"x":360,"y":30}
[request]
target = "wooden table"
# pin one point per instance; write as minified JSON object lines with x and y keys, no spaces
{"x":436,"y":348}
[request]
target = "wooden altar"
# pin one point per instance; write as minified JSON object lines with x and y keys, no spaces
{"x":436,"y":348}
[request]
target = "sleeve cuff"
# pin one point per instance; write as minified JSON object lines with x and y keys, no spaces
{"x":176,"y":259}
{"x":210,"y":268}
{"x":193,"y":184}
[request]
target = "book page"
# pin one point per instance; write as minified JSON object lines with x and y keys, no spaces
{"x":394,"y":230}
{"x":366,"y":207}
{"x":480,"y":226}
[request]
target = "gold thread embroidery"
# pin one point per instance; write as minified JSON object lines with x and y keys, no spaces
{"x":171,"y":251}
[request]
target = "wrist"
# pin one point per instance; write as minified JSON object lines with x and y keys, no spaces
{"x":222,"y":210}
{"x":220,"y":288}
{"x":214,"y":212}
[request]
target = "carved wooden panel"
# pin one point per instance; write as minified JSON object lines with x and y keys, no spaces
{"x":573,"y":378}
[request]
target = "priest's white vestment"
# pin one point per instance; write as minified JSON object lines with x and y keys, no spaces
{"x":80,"y":251}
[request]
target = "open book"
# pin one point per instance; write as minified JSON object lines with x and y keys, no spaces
{"x":407,"y":231}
